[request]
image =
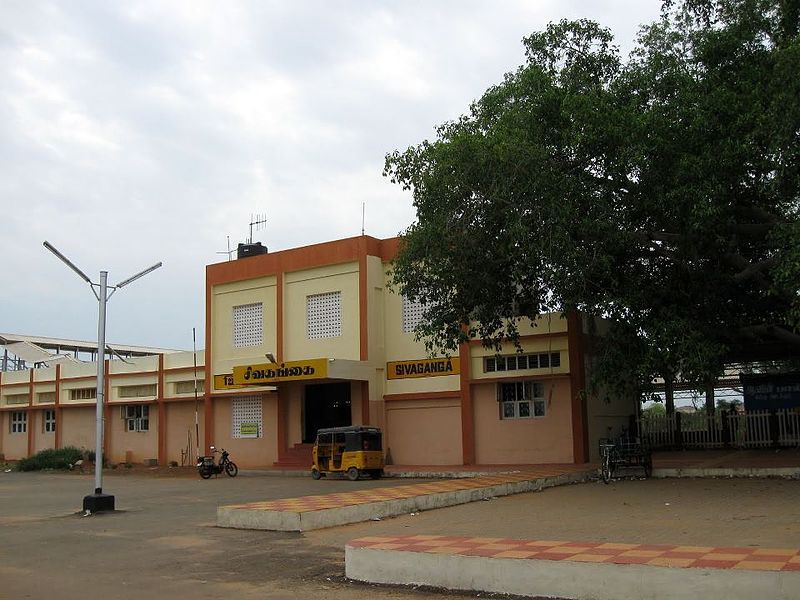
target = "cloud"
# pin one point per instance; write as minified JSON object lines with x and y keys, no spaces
{"x":143,"y":131}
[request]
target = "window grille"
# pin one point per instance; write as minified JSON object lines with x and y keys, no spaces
{"x":324,"y":315}
{"x":19,"y":421}
{"x":248,"y":325}
{"x":514,"y":362}
{"x":137,"y":417}
{"x":187,"y":387}
{"x":49,"y":421}
{"x":137,"y":391}
{"x":17,"y":399}
{"x":83,"y":394}
{"x":246,"y":411}
{"x":46,"y":397}
{"x":521,"y":400}
{"x":413,"y":313}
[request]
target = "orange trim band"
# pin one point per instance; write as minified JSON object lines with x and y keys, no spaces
{"x":577,"y":367}
{"x":467,"y":417}
{"x":454,"y":395}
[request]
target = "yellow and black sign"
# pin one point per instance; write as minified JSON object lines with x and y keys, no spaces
{"x":225,"y":382}
{"x":272,"y":373}
{"x":427,"y":367}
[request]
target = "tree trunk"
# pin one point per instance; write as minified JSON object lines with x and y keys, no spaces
{"x":669,"y":395}
{"x":710,"y":398}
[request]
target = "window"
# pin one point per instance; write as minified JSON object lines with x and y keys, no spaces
{"x":187,"y":387}
{"x":46,"y":397}
{"x":17,"y":399}
{"x":515,"y":362}
{"x":83,"y":394}
{"x":246,"y":419}
{"x":248,"y":325}
{"x":137,"y":391}
{"x":137,"y":417}
{"x":49,"y":424}
{"x":413,"y":312}
{"x":324,"y":315}
{"x":19,"y":421}
{"x":521,"y":399}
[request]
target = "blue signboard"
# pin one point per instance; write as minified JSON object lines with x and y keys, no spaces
{"x":771,"y":392}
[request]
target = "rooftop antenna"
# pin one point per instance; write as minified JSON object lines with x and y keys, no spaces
{"x":363,"y":208}
{"x":228,"y":251}
{"x":256,"y":220}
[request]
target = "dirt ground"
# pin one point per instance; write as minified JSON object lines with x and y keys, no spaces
{"x":162,"y":541}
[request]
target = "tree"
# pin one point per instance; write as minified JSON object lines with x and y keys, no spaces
{"x":660,"y":192}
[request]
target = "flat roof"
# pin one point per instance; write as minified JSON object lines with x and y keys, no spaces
{"x":51,"y":343}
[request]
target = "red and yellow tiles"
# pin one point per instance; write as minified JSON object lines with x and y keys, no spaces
{"x":340,"y":500}
{"x":752,"y":559}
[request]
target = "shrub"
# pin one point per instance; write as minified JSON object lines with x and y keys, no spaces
{"x":51,"y":458}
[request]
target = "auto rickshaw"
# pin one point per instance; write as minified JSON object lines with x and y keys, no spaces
{"x":350,"y":450}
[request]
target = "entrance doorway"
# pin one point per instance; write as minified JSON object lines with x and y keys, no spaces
{"x":325,"y":405}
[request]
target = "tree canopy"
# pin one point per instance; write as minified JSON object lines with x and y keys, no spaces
{"x":658,"y":190}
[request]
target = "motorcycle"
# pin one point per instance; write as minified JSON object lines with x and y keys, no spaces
{"x":206,"y":466}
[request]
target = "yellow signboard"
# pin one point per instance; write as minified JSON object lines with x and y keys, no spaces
{"x":427,"y":367}
{"x":225,"y":382}
{"x":272,"y":373}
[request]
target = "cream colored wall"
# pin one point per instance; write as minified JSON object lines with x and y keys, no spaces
{"x":523,"y":441}
{"x":117,"y":382}
{"x":181,"y":424}
{"x":15,"y":445}
{"x":138,"y":365}
{"x":142,"y":444}
{"x":177,"y":360}
{"x":247,"y":452}
{"x":300,"y":284}
{"x":530,"y":345}
{"x":423,"y":432}
{"x":224,"y":298}
{"x":376,"y":313}
{"x":78,"y":427}
{"x":44,"y":374}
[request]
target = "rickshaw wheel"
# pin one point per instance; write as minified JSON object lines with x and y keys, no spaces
{"x":315,"y":474}
{"x":352,"y":474}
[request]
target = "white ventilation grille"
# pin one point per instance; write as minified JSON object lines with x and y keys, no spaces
{"x":246,"y":417}
{"x":324,"y":314}
{"x":248,"y":325}
{"x":412,"y":314}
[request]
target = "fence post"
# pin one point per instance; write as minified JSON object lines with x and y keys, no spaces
{"x":678,"y":432}
{"x":774,"y":430}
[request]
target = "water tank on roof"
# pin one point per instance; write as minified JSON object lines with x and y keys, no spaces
{"x":245,"y":250}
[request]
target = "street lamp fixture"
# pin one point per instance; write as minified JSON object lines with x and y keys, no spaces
{"x":99,"y":501}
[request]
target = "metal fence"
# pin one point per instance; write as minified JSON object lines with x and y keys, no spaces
{"x":753,"y":429}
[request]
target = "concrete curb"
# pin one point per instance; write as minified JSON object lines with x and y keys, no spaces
{"x":783,"y":472}
{"x":562,"y":579}
{"x":283,"y":520}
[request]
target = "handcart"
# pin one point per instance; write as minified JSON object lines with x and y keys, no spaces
{"x":616,"y":455}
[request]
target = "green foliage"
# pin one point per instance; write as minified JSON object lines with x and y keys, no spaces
{"x":51,"y":458}
{"x":654,"y":410}
{"x":660,"y":192}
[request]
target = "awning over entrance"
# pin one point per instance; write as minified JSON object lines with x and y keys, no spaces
{"x":310,"y":370}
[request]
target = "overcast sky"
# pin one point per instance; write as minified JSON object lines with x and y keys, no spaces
{"x":136,"y":132}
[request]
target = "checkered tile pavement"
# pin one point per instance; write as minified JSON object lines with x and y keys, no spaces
{"x":312,"y":503}
{"x":754,"y":559}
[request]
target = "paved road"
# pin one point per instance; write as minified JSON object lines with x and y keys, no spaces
{"x":162,"y":543}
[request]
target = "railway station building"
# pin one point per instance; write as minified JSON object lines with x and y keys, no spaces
{"x":313,"y":337}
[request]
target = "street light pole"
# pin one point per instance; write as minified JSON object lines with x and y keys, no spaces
{"x":99,"y":501}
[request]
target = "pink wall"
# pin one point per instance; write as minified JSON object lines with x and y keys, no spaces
{"x":41,"y":440}
{"x":15,"y":445}
{"x":78,"y":426}
{"x":248,"y":452}
{"x":423,"y":432}
{"x":523,"y":441}
{"x":142,"y":444}
{"x":180,"y":423}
